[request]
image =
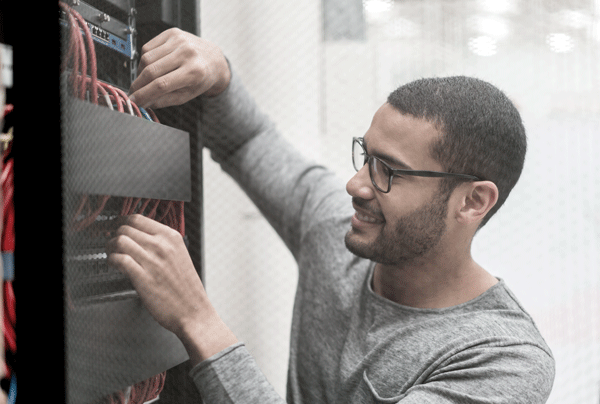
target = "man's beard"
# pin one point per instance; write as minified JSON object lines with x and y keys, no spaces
{"x":410,"y":237}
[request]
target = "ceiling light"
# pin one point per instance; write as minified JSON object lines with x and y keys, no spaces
{"x":492,"y":26}
{"x":483,"y":45}
{"x":498,"y":6}
{"x":560,"y":43}
{"x":377,"y":6}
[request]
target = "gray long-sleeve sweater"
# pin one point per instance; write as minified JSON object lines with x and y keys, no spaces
{"x":349,"y":345}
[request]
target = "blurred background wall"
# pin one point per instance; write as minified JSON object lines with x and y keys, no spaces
{"x":321,"y":68}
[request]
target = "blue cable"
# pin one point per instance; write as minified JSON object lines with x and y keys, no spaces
{"x":145,"y":114}
{"x":12,"y":391}
{"x":8,"y":263}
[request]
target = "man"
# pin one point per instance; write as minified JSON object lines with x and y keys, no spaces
{"x":390,"y":305}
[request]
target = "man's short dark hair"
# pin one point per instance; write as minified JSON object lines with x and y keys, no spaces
{"x":482,"y":133}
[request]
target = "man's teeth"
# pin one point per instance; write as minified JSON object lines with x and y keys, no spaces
{"x":365,"y":218}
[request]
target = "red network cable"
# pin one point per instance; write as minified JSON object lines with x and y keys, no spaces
{"x":10,"y":318}
{"x":78,"y":53}
{"x":91,"y":54}
{"x":75,"y":50}
{"x":139,"y":393}
{"x":8,"y":236}
{"x":7,"y":245}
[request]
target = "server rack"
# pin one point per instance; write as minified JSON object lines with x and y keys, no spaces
{"x":112,"y":164}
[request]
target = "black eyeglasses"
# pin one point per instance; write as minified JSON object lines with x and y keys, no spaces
{"x":381,"y":173}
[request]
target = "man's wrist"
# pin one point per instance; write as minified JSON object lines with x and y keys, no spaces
{"x":222,"y":84}
{"x":205,"y":338}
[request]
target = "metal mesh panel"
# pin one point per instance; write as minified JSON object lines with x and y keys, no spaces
{"x":320,"y":69}
{"x":118,"y":159}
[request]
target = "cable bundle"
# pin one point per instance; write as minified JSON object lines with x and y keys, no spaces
{"x":83,"y":78}
{"x":169,"y":212}
{"x":84,"y":84}
{"x":7,"y":244}
{"x":139,"y":393}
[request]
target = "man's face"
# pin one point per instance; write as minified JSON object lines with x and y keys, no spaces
{"x":401,"y":239}
{"x":409,"y":221}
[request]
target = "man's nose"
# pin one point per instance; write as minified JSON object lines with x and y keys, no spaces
{"x":360,"y":185}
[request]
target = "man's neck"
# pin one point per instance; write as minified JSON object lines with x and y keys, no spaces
{"x":432,"y":283}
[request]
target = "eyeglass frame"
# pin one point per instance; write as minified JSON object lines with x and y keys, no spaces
{"x":393,"y":172}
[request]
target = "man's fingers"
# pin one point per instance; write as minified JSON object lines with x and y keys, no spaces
{"x":141,"y":281}
{"x":158,"y":40}
{"x":124,"y":263}
{"x":137,"y":237}
{"x":162,"y":85}
{"x":176,"y":97}
{"x":141,"y":238}
{"x":127,"y":240}
{"x":143,"y":224}
{"x":146,"y":241}
{"x":119,"y":255}
{"x":156,"y":49}
{"x":154,"y":64}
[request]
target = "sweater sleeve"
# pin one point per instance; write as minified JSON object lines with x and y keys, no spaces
{"x":291,"y":191}
{"x":232,"y":376}
{"x":231,"y":119}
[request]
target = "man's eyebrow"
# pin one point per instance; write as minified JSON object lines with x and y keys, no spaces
{"x":387,"y":158}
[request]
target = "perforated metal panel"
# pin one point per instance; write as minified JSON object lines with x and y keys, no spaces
{"x":119,"y":159}
{"x":321,"y":74}
{"x":322,"y":83}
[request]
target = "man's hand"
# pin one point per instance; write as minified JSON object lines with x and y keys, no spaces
{"x":156,"y":260}
{"x":177,"y":66}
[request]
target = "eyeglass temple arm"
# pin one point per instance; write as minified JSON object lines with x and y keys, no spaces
{"x":434,"y":174}
{"x":419,"y":173}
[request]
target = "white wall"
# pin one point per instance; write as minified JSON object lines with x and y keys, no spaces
{"x":250,"y":275}
{"x":544,"y":241}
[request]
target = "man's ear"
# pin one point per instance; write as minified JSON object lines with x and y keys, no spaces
{"x":477,"y":198}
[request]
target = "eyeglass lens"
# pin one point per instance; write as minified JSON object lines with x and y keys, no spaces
{"x":379,"y":173}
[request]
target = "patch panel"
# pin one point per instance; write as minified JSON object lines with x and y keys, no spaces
{"x":105,"y":30}
{"x":115,"y":42}
{"x":91,"y":279}
{"x":112,"y":41}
